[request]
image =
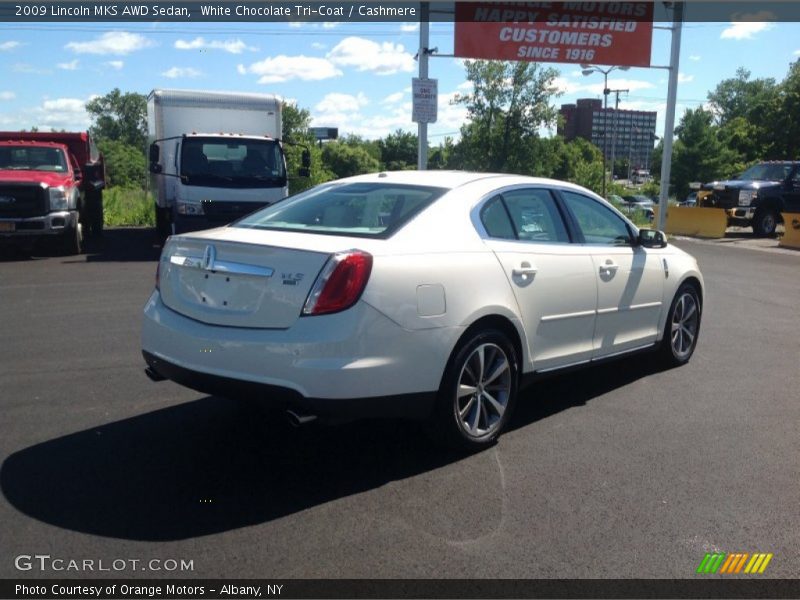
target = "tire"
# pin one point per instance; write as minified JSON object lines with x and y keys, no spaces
{"x":473,"y":421}
{"x":71,"y":242}
{"x":765,"y":222}
{"x":682,"y":327}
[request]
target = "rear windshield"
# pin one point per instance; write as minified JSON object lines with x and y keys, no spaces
{"x":375,"y":210}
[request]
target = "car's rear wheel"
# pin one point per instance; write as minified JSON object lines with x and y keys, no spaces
{"x":765,"y":221}
{"x":682,"y":327}
{"x":478,"y":392}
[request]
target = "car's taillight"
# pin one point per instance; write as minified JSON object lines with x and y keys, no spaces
{"x":340,"y":283}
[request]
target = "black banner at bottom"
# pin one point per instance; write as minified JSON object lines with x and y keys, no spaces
{"x":178,"y":589}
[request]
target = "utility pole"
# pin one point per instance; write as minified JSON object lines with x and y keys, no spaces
{"x":424,"y":43}
{"x":669,"y":124}
{"x":614,"y":129}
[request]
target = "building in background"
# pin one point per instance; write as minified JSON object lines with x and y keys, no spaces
{"x":631,"y":133}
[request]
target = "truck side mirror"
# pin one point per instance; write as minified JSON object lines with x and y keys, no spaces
{"x":155,"y":153}
{"x":305,"y":161}
{"x":155,"y":168}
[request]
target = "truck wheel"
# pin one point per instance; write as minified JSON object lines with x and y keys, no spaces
{"x":72,"y":240}
{"x":764,"y":222}
{"x":94,"y":207}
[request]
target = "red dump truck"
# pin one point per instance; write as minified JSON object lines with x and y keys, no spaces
{"x":51,"y":187}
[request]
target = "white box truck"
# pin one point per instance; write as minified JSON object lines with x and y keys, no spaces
{"x":214,"y":157}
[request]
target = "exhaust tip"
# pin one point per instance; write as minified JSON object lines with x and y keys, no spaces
{"x":297,"y":420}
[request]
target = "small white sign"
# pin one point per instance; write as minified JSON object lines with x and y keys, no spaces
{"x":425,"y":94}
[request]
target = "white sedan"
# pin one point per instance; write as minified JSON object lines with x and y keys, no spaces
{"x":433,"y":295}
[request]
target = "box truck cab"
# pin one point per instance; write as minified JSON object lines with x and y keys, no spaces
{"x":214,"y":157}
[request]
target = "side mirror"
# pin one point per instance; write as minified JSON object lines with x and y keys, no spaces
{"x":155,"y":153}
{"x":652,"y":238}
{"x":155,"y":168}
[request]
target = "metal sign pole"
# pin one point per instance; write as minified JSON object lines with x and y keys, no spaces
{"x":422,"y":128}
{"x":669,"y":122}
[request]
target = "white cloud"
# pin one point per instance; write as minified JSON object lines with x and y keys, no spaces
{"x":56,"y":114}
{"x":338,"y":103}
{"x":69,"y":66}
{"x":684,"y":78}
{"x":745,"y":30}
{"x":318,"y":46}
{"x":181,"y":72}
{"x":568,"y":86}
{"x":282,"y":68}
{"x":330,"y":24}
{"x":10,"y":45}
{"x":695,"y":57}
{"x":112,"y":42}
{"x":796,"y":52}
{"x":236,"y":46}
{"x":383,"y":58}
{"x":7,"y":95}
{"x":115,"y":64}
{"x":393,"y":98}
{"x":409,"y":27}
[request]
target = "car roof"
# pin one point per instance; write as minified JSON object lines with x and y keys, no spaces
{"x":454,"y":179}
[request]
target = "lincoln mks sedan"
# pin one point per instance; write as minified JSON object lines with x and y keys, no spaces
{"x":432,"y":295}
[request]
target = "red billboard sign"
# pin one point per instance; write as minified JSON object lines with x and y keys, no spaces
{"x":607,"y":33}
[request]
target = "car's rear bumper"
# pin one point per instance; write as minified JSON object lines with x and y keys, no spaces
{"x":353,"y":363}
{"x":413,"y":406}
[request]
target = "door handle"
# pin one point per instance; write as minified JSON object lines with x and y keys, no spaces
{"x":525,"y":269}
{"x":609,"y":267}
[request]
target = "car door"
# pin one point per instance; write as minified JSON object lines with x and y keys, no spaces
{"x":553,"y":280}
{"x":630,"y":278}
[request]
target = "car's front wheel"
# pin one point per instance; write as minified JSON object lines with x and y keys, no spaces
{"x":478,"y":391}
{"x":682,"y":327}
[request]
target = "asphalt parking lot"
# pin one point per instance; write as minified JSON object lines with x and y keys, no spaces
{"x":621,"y":471}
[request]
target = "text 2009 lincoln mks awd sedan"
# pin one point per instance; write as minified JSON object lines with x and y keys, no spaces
{"x":431,"y":295}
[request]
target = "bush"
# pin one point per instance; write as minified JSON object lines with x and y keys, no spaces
{"x":126,"y":206}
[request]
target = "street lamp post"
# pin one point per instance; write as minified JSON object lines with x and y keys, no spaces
{"x":588,"y":70}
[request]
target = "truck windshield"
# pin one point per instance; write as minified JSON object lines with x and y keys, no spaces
{"x":766,"y":172}
{"x":226,"y":162}
{"x":32,"y":158}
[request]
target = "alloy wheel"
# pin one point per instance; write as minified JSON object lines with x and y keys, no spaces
{"x":484,"y":388}
{"x":685,"y":319}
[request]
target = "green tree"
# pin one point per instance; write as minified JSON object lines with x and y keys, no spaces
{"x":698,"y":154}
{"x":120,"y":117}
{"x":125,"y":165}
{"x":509,"y":103}
{"x":787,"y":124}
{"x":398,"y":151}
{"x":297,"y":137}
{"x":345,"y":159}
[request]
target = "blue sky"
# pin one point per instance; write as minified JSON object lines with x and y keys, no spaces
{"x":355,"y":76}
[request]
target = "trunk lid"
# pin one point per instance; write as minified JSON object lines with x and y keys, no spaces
{"x":236,"y":280}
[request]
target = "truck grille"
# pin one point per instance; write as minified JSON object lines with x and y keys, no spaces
{"x":226,"y":212}
{"x":724,"y":199}
{"x":22,"y":200}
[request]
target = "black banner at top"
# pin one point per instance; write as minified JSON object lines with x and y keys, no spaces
{"x":387,"y":11}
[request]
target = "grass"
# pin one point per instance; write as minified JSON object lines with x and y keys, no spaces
{"x":123,"y":206}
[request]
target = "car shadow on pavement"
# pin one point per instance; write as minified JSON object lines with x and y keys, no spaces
{"x":119,"y":244}
{"x":209,"y":465}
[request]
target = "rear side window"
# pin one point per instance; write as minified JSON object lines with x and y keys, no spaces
{"x":598,"y":223}
{"x":535,"y":216}
{"x":528,"y":214}
{"x":375,"y":210}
